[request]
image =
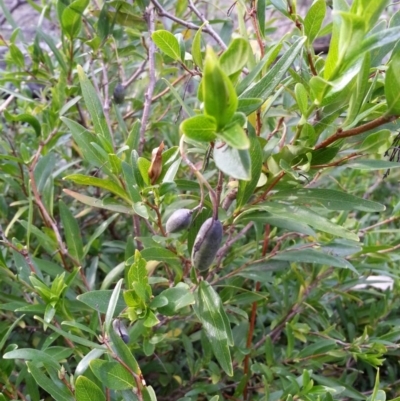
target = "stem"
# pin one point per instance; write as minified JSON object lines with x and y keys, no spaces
{"x":254,"y":315}
{"x":207,"y":29}
{"x":200,"y":177}
{"x":150,"y":16}
{"x":340,"y":134}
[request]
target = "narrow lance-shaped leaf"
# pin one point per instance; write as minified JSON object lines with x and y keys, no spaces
{"x":112,"y":305}
{"x":210,"y":312}
{"x":72,"y":232}
{"x":266,"y":85}
{"x":314,"y":19}
{"x":95,"y":108}
{"x":392,"y":85}
{"x":57,"y":389}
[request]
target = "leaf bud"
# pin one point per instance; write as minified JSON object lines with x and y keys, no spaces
{"x":179,"y":220}
{"x":206,"y":244}
{"x":119,"y":94}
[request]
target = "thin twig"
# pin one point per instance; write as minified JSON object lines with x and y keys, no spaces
{"x":150,"y":16}
{"x":340,"y":134}
{"x":135,"y":75}
{"x":381,"y":223}
{"x":224,"y":250}
{"x":23,"y":251}
{"x":207,"y":27}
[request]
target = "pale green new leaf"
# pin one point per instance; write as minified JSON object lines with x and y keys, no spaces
{"x":72,"y":232}
{"x":313,"y":20}
{"x":95,"y":108}
{"x":267,"y":84}
{"x":168,"y":43}
{"x":392,"y":85}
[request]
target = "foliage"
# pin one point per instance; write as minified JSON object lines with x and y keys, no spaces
{"x":139,"y":110}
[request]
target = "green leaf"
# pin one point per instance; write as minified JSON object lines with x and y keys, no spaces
{"x":209,"y":310}
{"x":95,"y":108}
{"x":131,"y":185}
{"x":301,"y":97}
{"x":358,"y":95}
{"x":54,"y":386}
{"x":72,"y":232}
{"x":234,"y":162}
{"x":160,"y":254}
{"x":112,"y":306}
{"x":219,"y":96}
{"x":98,"y":232}
{"x":246,"y":188}
{"x":260,"y":13}
{"x":309,"y":217}
{"x":104,"y":183}
{"x":372,"y":165}
{"x":263,"y":63}
{"x":314,"y":256}
{"x":122,"y":350}
{"x":376,"y":143}
{"x":112,"y":375}
{"x":331,"y":199}
{"x":43,"y":171}
{"x":196,"y":49}
{"x":86,"y":390}
{"x":84,"y":140}
{"x":137,"y":271}
{"x":234,"y":136}
{"x":178,"y":297}
{"x":25,"y":118}
{"x":313,"y":20}
{"x":9,"y":330}
{"x":200,"y":128}
{"x":234,"y":58}
{"x":35,"y":355}
{"x":57,"y":54}
{"x":85,"y":361}
{"x":248,"y":105}
{"x":267,"y":84}
{"x":98,"y":203}
{"x":100,"y":300}
{"x":392,"y":85}
{"x":168,"y":43}
{"x":71,"y":21}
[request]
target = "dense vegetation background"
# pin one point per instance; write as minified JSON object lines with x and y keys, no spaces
{"x":124,"y":113}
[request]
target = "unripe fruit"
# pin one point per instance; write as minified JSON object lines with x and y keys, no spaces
{"x":121,"y":330}
{"x":179,"y":220}
{"x":206,"y":244}
{"x":119,"y":94}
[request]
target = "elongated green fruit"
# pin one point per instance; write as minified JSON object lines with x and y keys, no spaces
{"x":206,"y":244}
{"x":119,"y":94}
{"x":179,"y":220}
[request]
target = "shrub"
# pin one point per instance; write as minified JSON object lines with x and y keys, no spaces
{"x":139,"y":110}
